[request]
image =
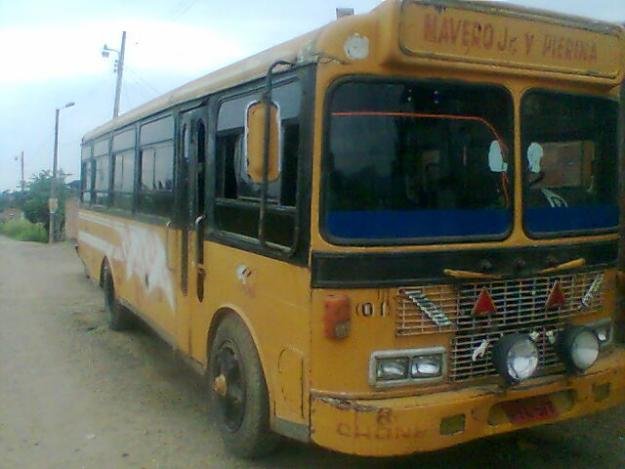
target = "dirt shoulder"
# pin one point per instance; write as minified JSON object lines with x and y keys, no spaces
{"x":74,"y":394}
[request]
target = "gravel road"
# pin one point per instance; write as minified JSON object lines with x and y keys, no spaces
{"x":75,"y":395}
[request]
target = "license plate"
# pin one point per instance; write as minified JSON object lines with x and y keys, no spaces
{"x":533,"y":409}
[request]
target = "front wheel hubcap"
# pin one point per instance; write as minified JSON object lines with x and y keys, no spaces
{"x":229,"y":386}
{"x":220,"y":385}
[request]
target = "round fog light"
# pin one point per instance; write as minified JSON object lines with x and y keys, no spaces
{"x":578,"y":348}
{"x":515,"y":357}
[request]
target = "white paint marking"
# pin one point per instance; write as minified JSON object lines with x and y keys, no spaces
{"x":141,"y":249}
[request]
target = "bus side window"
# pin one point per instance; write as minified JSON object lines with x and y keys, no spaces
{"x":156,"y":167}
{"x":237,"y":196}
{"x":123,"y":178}
{"x":86,"y":181}
{"x":100,"y":169}
{"x":85,"y":172}
{"x":123,"y":169}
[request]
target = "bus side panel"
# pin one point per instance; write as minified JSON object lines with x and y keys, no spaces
{"x":91,"y":254}
{"x":137,"y":254}
{"x":273,"y":299}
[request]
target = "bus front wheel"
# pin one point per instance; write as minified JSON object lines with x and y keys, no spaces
{"x":118,"y":317}
{"x":239,"y":395}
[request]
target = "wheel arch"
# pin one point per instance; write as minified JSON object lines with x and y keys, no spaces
{"x":104,"y":263}
{"x":218,"y":317}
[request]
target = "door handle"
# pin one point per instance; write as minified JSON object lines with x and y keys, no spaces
{"x":199,"y":239}
{"x":167,"y":256}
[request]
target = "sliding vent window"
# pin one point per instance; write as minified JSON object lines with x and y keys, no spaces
{"x":156,"y":176}
{"x":86,"y":177}
{"x":570,"y":163}
{"x":102,"y":170}
{"x":124,"y":169}
{"x":412,"y":161}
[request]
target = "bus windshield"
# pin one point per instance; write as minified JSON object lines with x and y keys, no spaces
{"x":411,"y":161}
{"x":570,"y":163}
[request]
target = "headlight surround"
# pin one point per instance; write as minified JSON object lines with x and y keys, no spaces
{"x":515,"y":357}
{"x":578,"y":347}
{"x":402,"y":367}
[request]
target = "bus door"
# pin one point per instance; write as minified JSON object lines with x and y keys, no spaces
{"x":191,"y":209}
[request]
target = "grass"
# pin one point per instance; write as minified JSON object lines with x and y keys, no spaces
{"x":23,"y":230}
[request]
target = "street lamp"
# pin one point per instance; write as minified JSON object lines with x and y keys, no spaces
{"x":53,"y":203}
{"x":119,"y":68}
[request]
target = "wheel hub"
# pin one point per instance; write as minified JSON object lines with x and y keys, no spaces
{"x":220,"y":385}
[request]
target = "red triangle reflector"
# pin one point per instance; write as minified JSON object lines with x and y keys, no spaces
{"x":556,"y":297}
{"x":484,"y":304}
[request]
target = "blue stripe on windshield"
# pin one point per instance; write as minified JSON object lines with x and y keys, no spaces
{"x":554,"y":219}
{"x":393,"y":224}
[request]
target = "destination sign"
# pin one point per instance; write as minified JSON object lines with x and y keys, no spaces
{"x":504,"y":38}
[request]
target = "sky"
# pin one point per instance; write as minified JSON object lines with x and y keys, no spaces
{"x":51,"y":55}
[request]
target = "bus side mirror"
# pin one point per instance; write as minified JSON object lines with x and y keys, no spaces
{"x":257,"y":134}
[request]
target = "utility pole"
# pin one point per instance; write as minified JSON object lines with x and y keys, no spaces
{"x":22,"y":181}
{"x":119,"y":68}
{"x":53,"y":203}
{"x":120,"y":71}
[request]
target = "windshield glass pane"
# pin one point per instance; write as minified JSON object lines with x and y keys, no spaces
{"x":570,"y":164}
{"x":412,"y":161}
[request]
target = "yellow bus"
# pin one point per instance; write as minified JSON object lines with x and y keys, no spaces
{"x":394,"y":234}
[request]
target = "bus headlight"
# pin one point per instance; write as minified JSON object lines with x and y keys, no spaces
{"x":426,"y":366}
{"x":578,"y":347}
{"x":391,"y":368}
{"x":398,"y":367}
{"x":515,"y":357}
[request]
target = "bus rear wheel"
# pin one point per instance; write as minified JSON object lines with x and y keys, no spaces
{"x":118,"y":317}
{"x":239,"y":395}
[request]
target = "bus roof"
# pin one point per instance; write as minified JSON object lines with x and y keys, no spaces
{"x":412,"y":15}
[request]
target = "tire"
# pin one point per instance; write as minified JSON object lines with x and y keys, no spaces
{"x":241,"y":403}
{"x":119,"y":318}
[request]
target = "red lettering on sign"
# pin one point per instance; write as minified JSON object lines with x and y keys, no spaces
{"x":429,"y":30}
{"x":568,"y":50}
{"x":489,"y":36}
{"x":564,"y":48}
{"x":503,"y":43}
{"x":455,"y":30}
{"x":475,"y":35}
{"x":529,"y":42}
{"x":466,"y":34}
{"x":443,"y":34}
{"x":547,"y":45}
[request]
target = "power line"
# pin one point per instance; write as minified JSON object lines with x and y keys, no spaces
{"x":140,"y":88}
{"x":138,"y":77}
{"x":183,"y":10}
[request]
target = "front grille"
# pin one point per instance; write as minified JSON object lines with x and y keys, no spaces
{"x":520,"y":305}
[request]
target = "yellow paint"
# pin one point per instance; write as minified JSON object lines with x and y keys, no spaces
{"x":574,"y":264}
{"x":466,"y":275}
{"x":320,"y":383}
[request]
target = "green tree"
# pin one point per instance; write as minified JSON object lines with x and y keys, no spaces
{"x":5,"y":199}
{"x":35,"y":204}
